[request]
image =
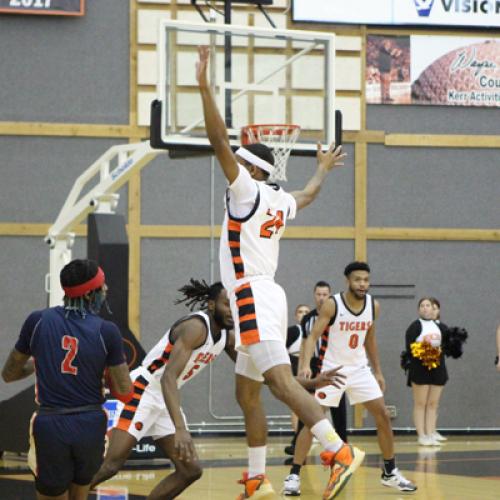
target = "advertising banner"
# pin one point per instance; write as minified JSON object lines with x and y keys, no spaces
{"x":466,"y":13}
{"x":433,"y":70}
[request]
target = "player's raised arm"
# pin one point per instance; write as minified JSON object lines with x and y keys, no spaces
{"x":327,"y":161}
{"x":326,"y":313}
{"x":214,"y":124}
{"x":189,"y":335}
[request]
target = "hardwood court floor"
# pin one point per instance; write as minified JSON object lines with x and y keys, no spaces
{"x":463,"y":468}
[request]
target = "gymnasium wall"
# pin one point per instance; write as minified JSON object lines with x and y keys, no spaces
{"x":422,"y":210}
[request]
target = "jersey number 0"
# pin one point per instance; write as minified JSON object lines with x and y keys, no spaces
{"x":69,"y":344}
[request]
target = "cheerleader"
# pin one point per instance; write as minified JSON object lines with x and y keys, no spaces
{"x":427,"y":374}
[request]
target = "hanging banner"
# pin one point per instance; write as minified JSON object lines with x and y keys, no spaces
{"x":433,"y":70}
{"x":44,"y":7}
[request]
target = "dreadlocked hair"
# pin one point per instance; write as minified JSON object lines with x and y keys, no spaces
{"x":199,"y":293}
{"x":75,"y":273}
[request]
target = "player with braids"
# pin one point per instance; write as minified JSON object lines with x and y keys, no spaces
{"x":72,"y":346}
{"x":187,"y":347}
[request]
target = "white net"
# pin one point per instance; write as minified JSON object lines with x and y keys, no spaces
{"x":280,"y":138}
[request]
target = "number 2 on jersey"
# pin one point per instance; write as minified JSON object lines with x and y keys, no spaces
{"x":272,"y":226}
{"x":69,"y":344}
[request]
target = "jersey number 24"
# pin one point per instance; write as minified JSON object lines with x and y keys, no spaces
{"x":273,"y":225}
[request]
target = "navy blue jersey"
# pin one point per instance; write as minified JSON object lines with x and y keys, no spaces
{"x":70,"y":355}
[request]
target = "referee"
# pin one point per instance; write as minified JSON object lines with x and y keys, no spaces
{"x":322,"y":291}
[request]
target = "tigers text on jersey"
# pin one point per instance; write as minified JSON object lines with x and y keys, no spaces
{"x":249,"y":246}
{"x":346,"y":337}
{"x":153,"y":365}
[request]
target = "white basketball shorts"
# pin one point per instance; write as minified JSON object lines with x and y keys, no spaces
{"x":360,"y":386}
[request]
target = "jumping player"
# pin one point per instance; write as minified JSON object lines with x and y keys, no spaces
{"x":351,"y":343}
{"x":254,"y":222}
{"x":71,"y":346}
{"x":183,"y":352}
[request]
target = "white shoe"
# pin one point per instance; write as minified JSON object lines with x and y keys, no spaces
{"x":438,"y":437}
{"x":291,"y":485}
{"x":397,"y":481}
{"x":427,"y":441}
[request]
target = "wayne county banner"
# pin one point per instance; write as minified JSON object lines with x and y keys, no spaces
{"x":433,"y":70}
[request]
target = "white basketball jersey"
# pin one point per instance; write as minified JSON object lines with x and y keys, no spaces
{"x":346,"y":337}
{"x":249,"y":246}
{"x":430,"y":333}
{"x":158,"y":357}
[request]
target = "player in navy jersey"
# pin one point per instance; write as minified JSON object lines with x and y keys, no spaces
{"x":71,"y":347}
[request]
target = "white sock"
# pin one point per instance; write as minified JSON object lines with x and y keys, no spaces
{"x":326,"y":435}
{"x":256,"y":461}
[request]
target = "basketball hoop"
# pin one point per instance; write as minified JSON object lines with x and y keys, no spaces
{"x":280,"y":138}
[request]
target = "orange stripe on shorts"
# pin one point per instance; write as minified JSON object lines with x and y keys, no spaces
{"x":247,"y":317}
{"x":245,"y":302}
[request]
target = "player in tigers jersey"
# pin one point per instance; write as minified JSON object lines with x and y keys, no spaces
{"x":192,"y":343}
{"x":351,"y":343}
{"x":254,"y":221}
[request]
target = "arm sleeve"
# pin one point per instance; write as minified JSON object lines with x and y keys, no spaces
{"x":114,"y":344}
{"x":23,"y":344}
{"x":412,"y":333}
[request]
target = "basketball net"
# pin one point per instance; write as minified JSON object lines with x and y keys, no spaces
{"x":279,"y":138}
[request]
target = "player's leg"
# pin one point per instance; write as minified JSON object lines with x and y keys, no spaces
{"x":78,"y":492}
{"x":248,"y":395}
{"x":385,"y":437}
{"x":432,"y":407}
{"x":120,"y":445}
{"x":420,"y":397}
{"x":339,"y":418}
{"x":342,"y":458}
{"x":363,"y":388}
{"x":50,"y":457}
{"x":185,"y":472}
{"x":87,"y":449}
{"x":291,"y":484}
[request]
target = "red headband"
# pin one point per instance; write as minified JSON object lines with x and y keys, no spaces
{"x":77,"y":291}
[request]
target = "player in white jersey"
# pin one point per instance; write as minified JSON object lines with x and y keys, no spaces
{"x":352,"y":343}
{"x":255,"y":219}
{"x":183,"y":352}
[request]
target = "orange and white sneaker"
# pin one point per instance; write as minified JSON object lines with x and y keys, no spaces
{"x":342,"y":465}
{"x":257,"y":487}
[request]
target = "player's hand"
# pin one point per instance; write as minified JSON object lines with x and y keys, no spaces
{"x":305,"y":373}
{"x":330,"y":377}
{"x":201,"y":66}
{"x":380,"y":380}
{"x":331,"y":158}
{"x":184,"y":445}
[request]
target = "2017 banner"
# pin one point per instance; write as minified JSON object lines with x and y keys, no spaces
{"x":452,"y":71}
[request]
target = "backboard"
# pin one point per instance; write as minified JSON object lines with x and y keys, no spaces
{"x":259,"y":75}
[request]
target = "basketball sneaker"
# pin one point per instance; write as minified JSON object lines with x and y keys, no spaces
{"x":397,"y":481}
{"x":342,"y":465}
{"x":257,"y":487}
{"x":291,"y":485}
